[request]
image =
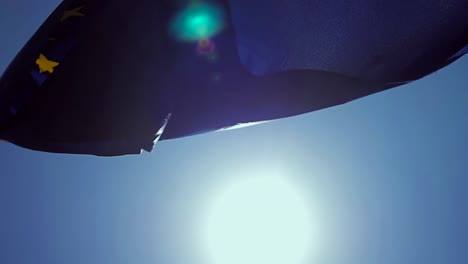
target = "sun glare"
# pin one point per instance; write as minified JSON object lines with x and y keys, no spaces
{"x":260,"y":220}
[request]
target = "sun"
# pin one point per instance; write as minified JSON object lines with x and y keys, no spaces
{"x":260,"y":220}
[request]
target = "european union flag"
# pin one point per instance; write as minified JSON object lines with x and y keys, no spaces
{"x":112,"y":77}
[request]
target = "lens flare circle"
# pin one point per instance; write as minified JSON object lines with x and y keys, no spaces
{"x":197,"y":21}
{"x":205,"y":47}
{"x":260,"y":220}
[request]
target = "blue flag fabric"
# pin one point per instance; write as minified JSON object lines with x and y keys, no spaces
{"x":112,"y":77}
{"x":382,"y":41}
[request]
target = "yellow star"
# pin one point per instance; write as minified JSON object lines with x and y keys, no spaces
{"x":45,"y":65}
{"x":72,"y":13}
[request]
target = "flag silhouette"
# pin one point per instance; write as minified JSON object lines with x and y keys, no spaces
{"x":113,"y":77}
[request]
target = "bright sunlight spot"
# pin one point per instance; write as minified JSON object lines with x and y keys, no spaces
{"x":258,"y":221}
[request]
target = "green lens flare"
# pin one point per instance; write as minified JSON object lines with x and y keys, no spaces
{"x":198,"y":21}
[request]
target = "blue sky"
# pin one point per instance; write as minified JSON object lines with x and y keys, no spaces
{"x":386,"y":176}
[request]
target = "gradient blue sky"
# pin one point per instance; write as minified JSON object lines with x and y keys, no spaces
{"x":387,"y":172}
